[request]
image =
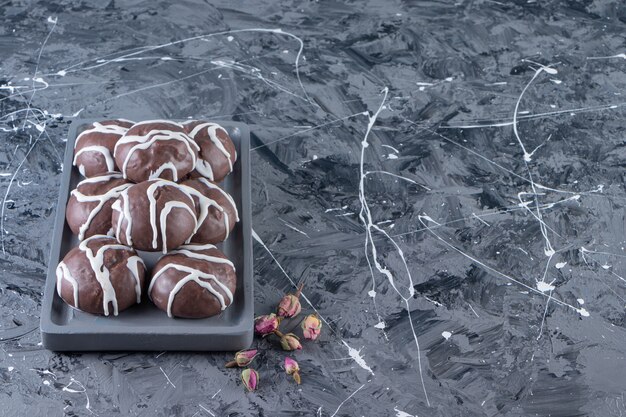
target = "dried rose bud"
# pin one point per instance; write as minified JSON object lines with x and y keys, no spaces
{"x":265,"y":325}
{"x":242,"y":358}
{"x":311,"y":326}
{"x":290,"y":341}
{"x":292,"y":368}
{"x":290,"y":306}
{"x":250,"y":379}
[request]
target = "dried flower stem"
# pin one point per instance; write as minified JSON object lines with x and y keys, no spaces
{"x":299,"y":291}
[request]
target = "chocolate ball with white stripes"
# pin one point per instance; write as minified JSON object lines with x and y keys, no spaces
{"x":195,"y":281}
{"x":216,"y":211}
{"x":217,"y":154}
{"x":94,"y":146}
{"x":155,"y":215}
{"x":101,"y":276}
{"x":154,"y":149}
{"x":88,"y":210}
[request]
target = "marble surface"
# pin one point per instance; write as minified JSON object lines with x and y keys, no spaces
{"x":446,"y":178}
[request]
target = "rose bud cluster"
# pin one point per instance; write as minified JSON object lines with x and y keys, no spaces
{"x":267,"y":325}
{"x":249,"y":376}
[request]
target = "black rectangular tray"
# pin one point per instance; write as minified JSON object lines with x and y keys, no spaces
{"x":144,"y":327}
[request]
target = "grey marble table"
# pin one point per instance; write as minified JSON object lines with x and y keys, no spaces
{"x":446,"y":178}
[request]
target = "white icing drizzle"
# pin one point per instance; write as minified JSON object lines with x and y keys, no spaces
{"x":121,"y":205}
{"x":168,"y":165}
{"x":189,"y":251}
{"x":197,"y":277}
{"x":228,"y":197}
{"x":133,"y":266}
{"x":117,"y":206}
{"x":205,"y":246}
{"x":211,"y":129}
{"x":147,"y":140}
{"x":101,"y":272}
{"x":128,"y":217}
{"x":165,"y":211}
{"x":204,"y":168}
{"x":204,"y":202}
{"x":100,"y":198}
{"x":100,"y":128}
{"x":96,"y":148}
{"x":101,"y":178}
{"x":169,"y":122}
{"x":64,"y":273}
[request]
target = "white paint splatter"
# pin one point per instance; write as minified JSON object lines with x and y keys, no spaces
{"x":607,"y":57}
{"x":335,"y":209}
{"x":207,"y":410}
{"x":294,"y":228}
{"x":446,"y":335}
{"x":544,"y":286}
{"x":423,"y":217}
{"x":356,"y":356}
{"x":390,"y":147}
{"x":83,"y":390}
{"x":400,"y":413}
{"x":344,"y":401}
{"x":560,"y":265}
{"x":169,"y":381}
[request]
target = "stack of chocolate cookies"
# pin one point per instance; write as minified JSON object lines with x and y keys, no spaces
{"x":150,"y":186}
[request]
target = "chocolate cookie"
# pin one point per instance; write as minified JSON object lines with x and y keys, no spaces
{"x":195,"y":281}
{"x":216,"y":210}
{"x":88,"y":210}
{"x":154,"y":215}
{"x":93,"y":149}
{"x":156,"y":149}
{"x":217,"y":150}
{"x":101,"y":274}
